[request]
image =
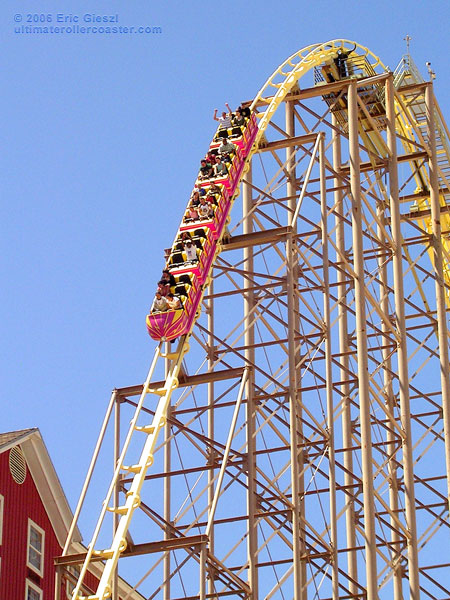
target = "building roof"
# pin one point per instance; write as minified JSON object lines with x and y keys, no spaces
{"x":12,"y":438}
{"x":45,"y":478}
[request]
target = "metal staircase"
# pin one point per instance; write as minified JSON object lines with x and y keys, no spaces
{"x":407,"y":74}
{"x":406,"y":78}
{"x":139,"y":470}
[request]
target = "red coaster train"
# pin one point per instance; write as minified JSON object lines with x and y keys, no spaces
{"x":188,"y":277}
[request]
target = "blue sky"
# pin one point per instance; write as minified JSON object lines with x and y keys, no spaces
{"x":101,"y":139}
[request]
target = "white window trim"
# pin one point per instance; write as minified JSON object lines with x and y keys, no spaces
{"x":2,"y":504}
{"x":69,"y":585}
{"x":30,"y":585}
{"x":31,"y":524}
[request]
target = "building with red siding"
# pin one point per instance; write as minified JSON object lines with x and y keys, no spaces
{"x":34,"y":520}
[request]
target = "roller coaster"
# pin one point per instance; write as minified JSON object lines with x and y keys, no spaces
{"x":291,"y":439}
{"x":190,"y":276}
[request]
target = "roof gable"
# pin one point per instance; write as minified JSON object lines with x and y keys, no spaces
{"x":45,"y":478}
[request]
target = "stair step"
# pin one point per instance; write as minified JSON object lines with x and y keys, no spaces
{"x":169,"y":355}
{"x":158,"y":391}
{"x":108,"y":553}
{"x":118,"y":510}
{"x":132,"y":468}
{"x":145,"y":429}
